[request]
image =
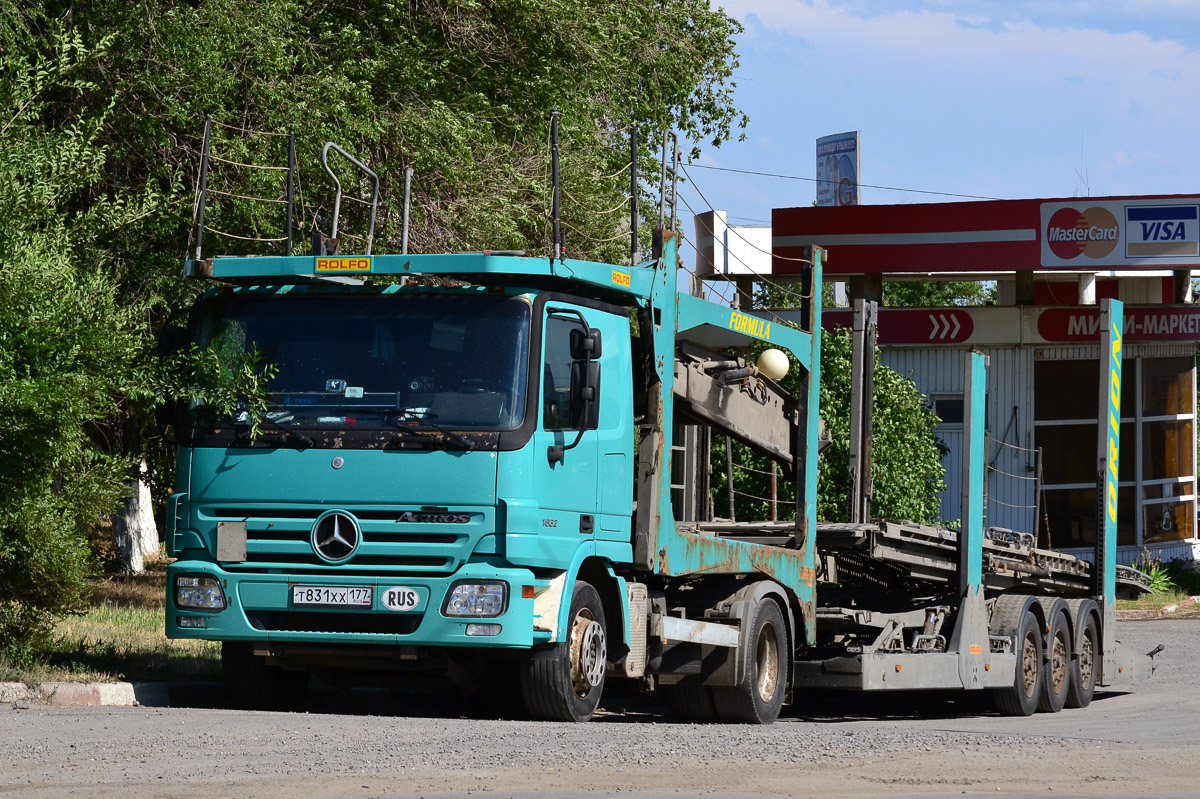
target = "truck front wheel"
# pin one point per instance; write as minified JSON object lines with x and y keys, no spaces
{"x":565,"y":682}
{"x":759,"y":697}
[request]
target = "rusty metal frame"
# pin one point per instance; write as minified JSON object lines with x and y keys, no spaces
{"x":661,"y":546}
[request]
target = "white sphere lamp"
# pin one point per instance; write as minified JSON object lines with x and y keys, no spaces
{"x":773,"y":363}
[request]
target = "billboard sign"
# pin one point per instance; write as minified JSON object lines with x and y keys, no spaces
{"x":838,"y":169}
{"x":1085,"y":234}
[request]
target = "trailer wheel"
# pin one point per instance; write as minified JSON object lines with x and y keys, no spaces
{"x":1022,"y":698}
{"x":1057,"y":673}
{"x":254,"y":685}
{"x":564,"y":683}
{"x":759,"y":697}
{"x":690,"y":703}
{"x":1083,"y":667}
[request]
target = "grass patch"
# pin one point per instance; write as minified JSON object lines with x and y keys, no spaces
{"x":1154,"y":601}
{"x":1171,"y":583}
{"x":120,"y":637}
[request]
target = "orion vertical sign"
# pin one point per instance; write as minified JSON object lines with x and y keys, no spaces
{"x":838,"y":169}
{"x":1104,"y":569}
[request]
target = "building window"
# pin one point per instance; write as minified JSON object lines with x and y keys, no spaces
{"x":1157,"y":477}
{"x":949,"y":408}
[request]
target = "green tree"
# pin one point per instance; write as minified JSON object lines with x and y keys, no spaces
{"x":67,"y":344}
{"x":931,"y":294}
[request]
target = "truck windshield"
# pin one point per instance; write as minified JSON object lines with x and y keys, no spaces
{"x":375,"y":361}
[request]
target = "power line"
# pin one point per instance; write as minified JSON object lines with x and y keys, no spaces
{"x":863,"y":185}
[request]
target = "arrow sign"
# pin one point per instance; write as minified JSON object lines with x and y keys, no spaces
{"x":945,"y":326}
{"x":914,"y":326}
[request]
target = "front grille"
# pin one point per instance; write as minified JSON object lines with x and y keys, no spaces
{"x":320,"y":622}
{"x":276,"y":534}
{"x":280,"y":538}
{"x":395,"y":561}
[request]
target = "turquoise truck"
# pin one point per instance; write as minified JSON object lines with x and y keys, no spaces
{"x":468,"y":472}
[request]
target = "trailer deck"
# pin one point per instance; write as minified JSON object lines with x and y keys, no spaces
{"x":911,"y":557}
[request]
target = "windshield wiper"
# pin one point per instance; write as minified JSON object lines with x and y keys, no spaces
{"x":285,"y":433}
{"x":415,"y":425}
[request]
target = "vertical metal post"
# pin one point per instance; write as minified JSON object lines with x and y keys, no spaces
{"x":862,"y":392}
{"x":1038,"y":527}
{"x":669,"y":138}
{"x":807,"y":447}
{"x":729,"y":473}
{"x":675,"y":183}
{"x":1104,"y":569}
{"x":970,"y":536}
{"x":634,"y":249}
{"x":291,"y":186}
{"x":204,"y":145}
{"x":554,"y":201}
{"x":774,"y":492}
{"x":408,"y":173}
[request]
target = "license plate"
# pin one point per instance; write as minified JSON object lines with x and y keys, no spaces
{"x":338,"y":596}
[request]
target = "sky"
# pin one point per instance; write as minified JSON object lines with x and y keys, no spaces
{"x":1004,"y":100}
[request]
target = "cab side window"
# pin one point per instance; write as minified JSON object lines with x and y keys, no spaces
{"x":556,"y":374}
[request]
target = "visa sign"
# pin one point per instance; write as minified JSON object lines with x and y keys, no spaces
{"x":1162,"y":231}
{"x":1091,"y":234}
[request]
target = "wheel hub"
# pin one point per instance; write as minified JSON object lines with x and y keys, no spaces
{"x":1086,"y":655}
{"x":767,"y":657}
{"x":1058,"y":664}
{"x":589,"y":653}
{"x":1029,"y":664}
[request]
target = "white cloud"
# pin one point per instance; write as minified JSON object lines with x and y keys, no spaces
{"x":1017,"y":87}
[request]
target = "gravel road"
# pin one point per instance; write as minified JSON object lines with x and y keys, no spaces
{"x":1138,"y":742}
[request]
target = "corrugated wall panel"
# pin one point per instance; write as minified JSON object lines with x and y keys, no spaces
{"x":1012,"y":464}
{"x":940,"y":371}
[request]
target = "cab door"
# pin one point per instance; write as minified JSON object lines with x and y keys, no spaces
{"x":566,"y":465}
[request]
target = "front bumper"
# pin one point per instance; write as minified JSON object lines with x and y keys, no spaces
{"x":260,"y":608}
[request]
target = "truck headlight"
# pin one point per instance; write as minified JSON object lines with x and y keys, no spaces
{"x":477,"y":600}
{"x":199,"y":592}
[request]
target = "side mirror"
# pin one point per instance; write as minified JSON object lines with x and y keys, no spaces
{"x":585,"y":345}
{"x":585,"y":395}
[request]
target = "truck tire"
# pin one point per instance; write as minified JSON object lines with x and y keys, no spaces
{"x":565,"y":682}
{"x":691,"y":703}
{"x":1057,"y":668}
{"x":759,"y":697}
{"x":1021,"y":699}
{"x":1083,"y":665}
{"x":253,"y":685}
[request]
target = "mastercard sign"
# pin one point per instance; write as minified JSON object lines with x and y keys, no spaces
{"x":1086,"y":235}
{"x":1092,"y":233}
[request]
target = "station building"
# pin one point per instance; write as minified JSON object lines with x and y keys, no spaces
{"x":1052,"y":260}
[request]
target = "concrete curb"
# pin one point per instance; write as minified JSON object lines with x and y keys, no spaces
{"x":114,"y":694}
{"x":1185,"y":607}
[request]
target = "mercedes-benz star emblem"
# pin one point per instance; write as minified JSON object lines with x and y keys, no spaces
{"x":335,"y":537}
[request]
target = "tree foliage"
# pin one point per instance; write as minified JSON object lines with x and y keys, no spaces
{"x":67,"y":344}
{"x":101,"y":111}
{"x":932,"y":294}
{"x":906,"y":455}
